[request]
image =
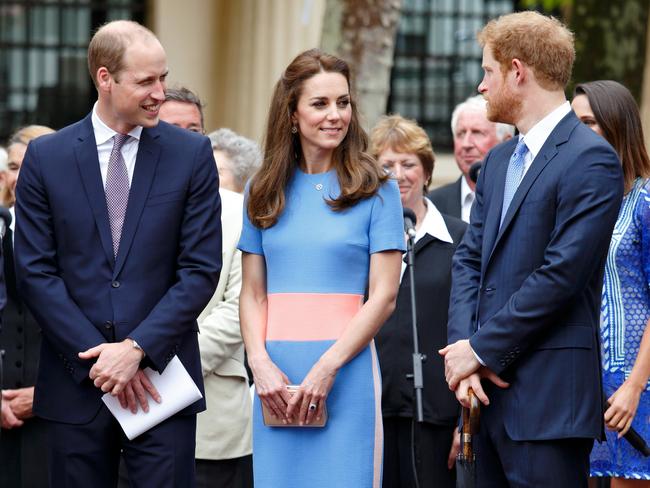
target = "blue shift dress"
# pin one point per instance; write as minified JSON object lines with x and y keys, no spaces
{"x":317,"y":263}
{"x":625,"y":311}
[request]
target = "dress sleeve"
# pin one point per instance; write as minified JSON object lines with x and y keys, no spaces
{"x":642,"y":215}
{"x":251,"y":236}
{"x":386,"y":220}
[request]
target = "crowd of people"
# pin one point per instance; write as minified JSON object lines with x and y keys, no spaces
{"x":130,"y":239}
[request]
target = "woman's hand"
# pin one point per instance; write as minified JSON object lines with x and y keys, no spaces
{"x":622,"y":407}
{"x":313,"y":391}
{"x":271,"y":386}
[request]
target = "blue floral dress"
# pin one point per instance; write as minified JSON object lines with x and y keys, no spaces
{"x":625,"y":311}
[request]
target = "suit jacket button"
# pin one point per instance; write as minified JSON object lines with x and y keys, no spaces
{"x":108,"y":324}
{"x":19,"y":364}
{"x":115,"y":284}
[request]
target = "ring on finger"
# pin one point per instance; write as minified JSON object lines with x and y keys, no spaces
{"x":313,"y":406}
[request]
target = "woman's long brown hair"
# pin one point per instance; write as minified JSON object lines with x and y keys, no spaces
{"x":358,"y":174}
{"x":618,"y":116}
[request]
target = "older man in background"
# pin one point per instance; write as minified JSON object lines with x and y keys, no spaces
{"x":223,"y":431}
{"x":474,"y":136}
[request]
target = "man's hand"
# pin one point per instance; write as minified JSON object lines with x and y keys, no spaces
{"x":460,"y":362}
{"x":8,"y":419}
{"x":20,"y":401}
{"x":116,"y":364}
{"x":135,"y":393}
{"x":474,"y":381}
{"x":453,"y":450}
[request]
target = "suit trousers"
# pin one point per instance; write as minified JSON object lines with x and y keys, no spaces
{"x":503,"y":462}
{"x":225,"y":473}
{"x":20,"y":450}
{"x":89,"y":454}
{"x":432,"y":444}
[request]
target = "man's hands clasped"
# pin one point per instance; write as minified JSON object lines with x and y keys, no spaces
{"x":117,"y":372}
{"x":463,"y":370}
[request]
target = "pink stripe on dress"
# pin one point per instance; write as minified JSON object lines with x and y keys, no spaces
{"x":310,"y":316}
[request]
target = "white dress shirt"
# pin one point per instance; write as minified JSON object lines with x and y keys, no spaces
{"x":537,"y":135}
{"x":104,"y":139}
{"x":466,"y":199}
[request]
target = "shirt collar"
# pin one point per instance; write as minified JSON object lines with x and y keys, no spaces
{"x":536,"y":137}
{"x":104,"y":133}
{"x":433,"y":224}
{"x":464,"y":189}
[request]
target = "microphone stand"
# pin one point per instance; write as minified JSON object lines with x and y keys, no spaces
{"x":417,"y":357}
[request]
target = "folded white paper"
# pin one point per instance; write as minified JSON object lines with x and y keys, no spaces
{"x":177,"y":390}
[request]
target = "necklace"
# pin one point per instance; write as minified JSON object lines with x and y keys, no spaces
{"x":319,"y":184}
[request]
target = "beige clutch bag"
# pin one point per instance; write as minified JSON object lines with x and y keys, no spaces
{"x":272,"y":421}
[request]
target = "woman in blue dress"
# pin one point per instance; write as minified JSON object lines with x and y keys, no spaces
{"x":610,"y":110}
{"x":322,"y":225}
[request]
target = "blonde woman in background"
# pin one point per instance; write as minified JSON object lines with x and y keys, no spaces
{"x":16,"y":151}
{"x":23,"y":436}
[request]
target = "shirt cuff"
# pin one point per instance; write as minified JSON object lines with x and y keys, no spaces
{"x":478,"y":358}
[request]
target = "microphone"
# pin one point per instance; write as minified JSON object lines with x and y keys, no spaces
{"x":637,"y":442}
{"x":409,"y":222}
{"x":475,"y":171}
{"x":633,"y":437}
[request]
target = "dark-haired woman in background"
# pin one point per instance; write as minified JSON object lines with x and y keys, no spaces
{"x":610,"y":110}
{"x":322,"y":221}
{"x":403,"y":148}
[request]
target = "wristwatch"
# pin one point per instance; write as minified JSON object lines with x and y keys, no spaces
{"x":137,"y":346}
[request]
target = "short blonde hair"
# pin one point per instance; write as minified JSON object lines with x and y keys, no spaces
{"x":404,"y":136}
{"x":108,"y":45}
{"x":26,"y":134}
{"x":541,"y":42}
{"x":23,"y":136}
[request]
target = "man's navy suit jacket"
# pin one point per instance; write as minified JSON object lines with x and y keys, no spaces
{"x":534,"y":285}
{"x":165,"y":272}
{"x":447,"y":198}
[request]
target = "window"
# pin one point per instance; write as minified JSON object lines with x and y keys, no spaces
{"x":438,"y":61}
{"x":43,"y":68}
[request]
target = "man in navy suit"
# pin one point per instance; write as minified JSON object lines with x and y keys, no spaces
{"x":118,"y":249}
{"x":527,"y":278}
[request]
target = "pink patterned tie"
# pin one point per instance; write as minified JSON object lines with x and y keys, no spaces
{"x":117,"y":189}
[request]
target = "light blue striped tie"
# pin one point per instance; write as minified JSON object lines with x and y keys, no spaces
{"x":513,"y":176}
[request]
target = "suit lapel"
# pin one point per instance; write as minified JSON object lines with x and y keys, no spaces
{"x":88,"y":162}
{"x":493,"y":216}
{"x":145,"y":168}
{"x":559,"y":136}
{"x":424,"y":241}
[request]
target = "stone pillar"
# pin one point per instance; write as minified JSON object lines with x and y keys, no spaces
{"x":231,"y":52}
